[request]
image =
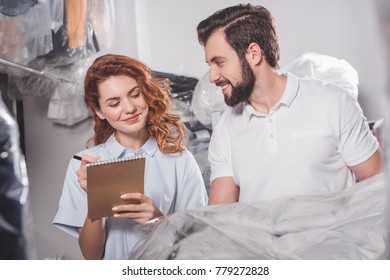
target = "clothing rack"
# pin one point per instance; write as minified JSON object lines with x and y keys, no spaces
{"x":21,"y":67}
{"x":31,"y":70}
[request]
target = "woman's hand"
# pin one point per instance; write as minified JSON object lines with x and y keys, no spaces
{"x":82,"y":172}
{"x":140,"y":213}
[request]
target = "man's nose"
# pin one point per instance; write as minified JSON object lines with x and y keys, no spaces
{"x":213,"y":75}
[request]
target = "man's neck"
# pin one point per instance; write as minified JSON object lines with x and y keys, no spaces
{"x":267,"y":92}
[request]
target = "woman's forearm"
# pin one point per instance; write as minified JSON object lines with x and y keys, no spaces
{"x":92,"y":238}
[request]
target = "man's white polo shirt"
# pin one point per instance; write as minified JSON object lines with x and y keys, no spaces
{"x":303,"y":146}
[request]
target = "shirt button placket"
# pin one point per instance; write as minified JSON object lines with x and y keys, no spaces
{"x":272,"y":144}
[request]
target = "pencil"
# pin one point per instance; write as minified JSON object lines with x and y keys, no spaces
{"x":77,"y":157}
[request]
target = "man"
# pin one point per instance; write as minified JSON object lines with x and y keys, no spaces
{"x":282,"y":136}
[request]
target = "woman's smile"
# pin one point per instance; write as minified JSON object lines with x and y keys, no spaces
{"x":133,"y":119}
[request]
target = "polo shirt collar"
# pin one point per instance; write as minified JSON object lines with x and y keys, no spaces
{"x":289,"y":94}
{"x":248,"y":111}
{"x":291,"y":90}
{"x":116,"y":150}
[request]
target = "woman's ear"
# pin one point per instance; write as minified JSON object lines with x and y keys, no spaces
{"x":254,"y":54}
{"x":100,"y":114}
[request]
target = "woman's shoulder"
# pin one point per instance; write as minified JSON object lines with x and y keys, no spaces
{"x":178,"y":157}
{"x":185,"y":153}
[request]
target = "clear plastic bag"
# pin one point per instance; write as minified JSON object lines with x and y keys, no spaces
{"x":207,"y":102}
{"x":327,"y":69}
{"x":16,"y":236}
{"x":22,"y":41}
{"x":346,"y":225}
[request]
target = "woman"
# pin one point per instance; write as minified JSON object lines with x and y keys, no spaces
{"x":131,"y":112}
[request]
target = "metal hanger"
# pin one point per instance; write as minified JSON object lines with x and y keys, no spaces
{"x":31,"y":70}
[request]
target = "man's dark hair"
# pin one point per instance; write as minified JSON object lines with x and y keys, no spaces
{"x":244,"y":24}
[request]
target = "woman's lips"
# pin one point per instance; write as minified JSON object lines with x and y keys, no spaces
{"x":133,"y":119}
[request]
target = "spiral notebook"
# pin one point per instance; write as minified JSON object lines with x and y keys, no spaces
{"x":107,"y":180}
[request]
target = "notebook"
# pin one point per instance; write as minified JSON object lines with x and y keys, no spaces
{"x":107,"y":180}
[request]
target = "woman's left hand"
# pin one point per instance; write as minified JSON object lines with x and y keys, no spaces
{"x":140,"y":213}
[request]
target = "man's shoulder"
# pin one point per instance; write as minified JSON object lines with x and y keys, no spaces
{"x":317,"y":88}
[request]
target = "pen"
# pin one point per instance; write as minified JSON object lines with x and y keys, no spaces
{"x":77,"y":157}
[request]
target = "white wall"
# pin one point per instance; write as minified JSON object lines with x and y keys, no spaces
{"x":162,"y":33}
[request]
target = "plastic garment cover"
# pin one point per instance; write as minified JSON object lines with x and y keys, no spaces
{"x":67,"y":105}
{"x":15,"y":220}
{"x":207,"y":102}
{"x":16,"y":7}
{"x":179,"y":84}
{"x":325,"y":68}
{"x":20,"y":40}
{"x":80,"y":30}
{"x":182,"y":88}
{"x":72,"y":55}
{"x":197,"y":135}
{"x":346,"y":225}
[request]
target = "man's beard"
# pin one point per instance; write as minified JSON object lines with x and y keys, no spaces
{"x":243,"y":90}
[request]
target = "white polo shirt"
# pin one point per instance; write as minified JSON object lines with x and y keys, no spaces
{"x":303,"y":146}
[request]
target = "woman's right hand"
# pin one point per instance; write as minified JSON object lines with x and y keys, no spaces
{"x":82,"y":172}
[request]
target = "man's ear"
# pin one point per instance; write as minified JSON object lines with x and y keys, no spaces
{"x":254,"y":54}
{"x":100,"y":114}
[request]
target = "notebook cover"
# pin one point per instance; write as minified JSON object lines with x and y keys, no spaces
{"x":107,"y":182}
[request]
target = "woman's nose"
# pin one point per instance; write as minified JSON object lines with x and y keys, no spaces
{"x":129,"y":107}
